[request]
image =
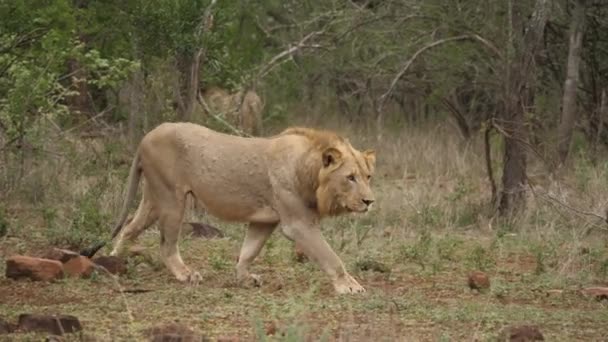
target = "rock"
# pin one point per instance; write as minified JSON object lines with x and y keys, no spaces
{"x":112,"y":264}
{"x":522,"y":333}
{"x":371,"y":265}
{"x":598,"y":292}
{"x":20,"y":266}
{"x":52,"y":324}
{"x":5,"y":327}
{"x":203,"y":230}
{"x":174,"y":332}
{"x":478,"y":280}
{"x":61,"y":255}
{"x":54,"y":338}
{"x":80,"y":267}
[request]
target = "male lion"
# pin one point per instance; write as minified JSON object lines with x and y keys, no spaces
{"x":292,"y":179}
{"x":243,"y":111}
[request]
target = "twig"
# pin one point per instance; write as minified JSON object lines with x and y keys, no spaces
{"x":523,"y":142}
{"x":102,"y":113}
{"x":550,"y":198}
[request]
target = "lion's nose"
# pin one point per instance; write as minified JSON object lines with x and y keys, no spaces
{"x":368,"y":202}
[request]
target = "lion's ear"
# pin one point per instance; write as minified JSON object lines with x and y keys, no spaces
{"x":331,"y":156}
{"x":370,"y":157}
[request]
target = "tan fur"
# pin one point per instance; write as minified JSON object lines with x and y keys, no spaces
{"x":291,"y":180}
{"x":244,"y":112}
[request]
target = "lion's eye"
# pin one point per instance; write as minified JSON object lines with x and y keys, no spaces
{"x":369,"y":177}
{"x":351,"y":178}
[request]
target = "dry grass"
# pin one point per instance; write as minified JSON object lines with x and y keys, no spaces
{"x":431,"y":226}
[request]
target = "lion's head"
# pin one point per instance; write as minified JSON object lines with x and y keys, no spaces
{"x":339,"y":174}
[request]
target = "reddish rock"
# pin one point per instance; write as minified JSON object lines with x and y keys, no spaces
{"x":61,"y":255}
{"x":20,"y":266}
{"x":478,"y":280}
{"x":174,"y":332}
{"x":53,"y":324}
{"x":598,"y":292}
{"x":112,"y":264}
{"x":522,"y":333}
{"x":80,"y":266}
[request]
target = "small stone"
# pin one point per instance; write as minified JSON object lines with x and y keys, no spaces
{"x":20,"y":266}
{"x":54,"y":338}
{"x":112,"y":264}
{"x":478,"y":280}
{"x":522,"y":333}
{"x":174,"y":332}
{"x":598,"y":292}
{"x":372,"y":265}
{"x":52,"y":324}
{"x":81,"y":267}
{"x":203,"y":230}
{"x":61,"y":255}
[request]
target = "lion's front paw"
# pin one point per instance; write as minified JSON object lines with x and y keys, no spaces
{"x":348,"y":284}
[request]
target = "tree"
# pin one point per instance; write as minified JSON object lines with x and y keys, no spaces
{"x":524,"y":42}
{"x":569,"y":108}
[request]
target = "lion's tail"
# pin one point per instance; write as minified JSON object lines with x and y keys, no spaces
{"x":133,"y":183}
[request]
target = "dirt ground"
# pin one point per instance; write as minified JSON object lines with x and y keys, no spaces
{"x":415,"y":301}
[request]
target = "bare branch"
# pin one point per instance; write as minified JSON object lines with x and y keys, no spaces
{"x":290,"y":51}
{"x":409,"y":63}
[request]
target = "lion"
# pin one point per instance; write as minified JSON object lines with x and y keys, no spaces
{"x":291,"y":180}
{"x":243,"y":111}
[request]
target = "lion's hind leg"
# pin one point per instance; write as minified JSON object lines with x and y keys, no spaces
{"x":170,"y":227}
{"x":144,"y":217}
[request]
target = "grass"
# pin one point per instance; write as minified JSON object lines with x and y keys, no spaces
{"x":430,"y":227}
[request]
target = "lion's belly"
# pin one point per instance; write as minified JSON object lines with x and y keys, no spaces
{"x":238,"y":210}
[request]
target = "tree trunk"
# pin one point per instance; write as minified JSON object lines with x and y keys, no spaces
{"x":188,"y":66}
{"x":566,"y":126}
{"x":519,"y":90}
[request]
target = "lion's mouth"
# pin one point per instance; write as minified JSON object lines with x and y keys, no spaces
{"x":357,"y":210}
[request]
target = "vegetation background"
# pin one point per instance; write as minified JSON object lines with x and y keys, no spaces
{"x":490,"y":118}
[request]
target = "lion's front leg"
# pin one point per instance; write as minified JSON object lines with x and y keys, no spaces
{"x":312,"y":242}
{"x":256,"y":237}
